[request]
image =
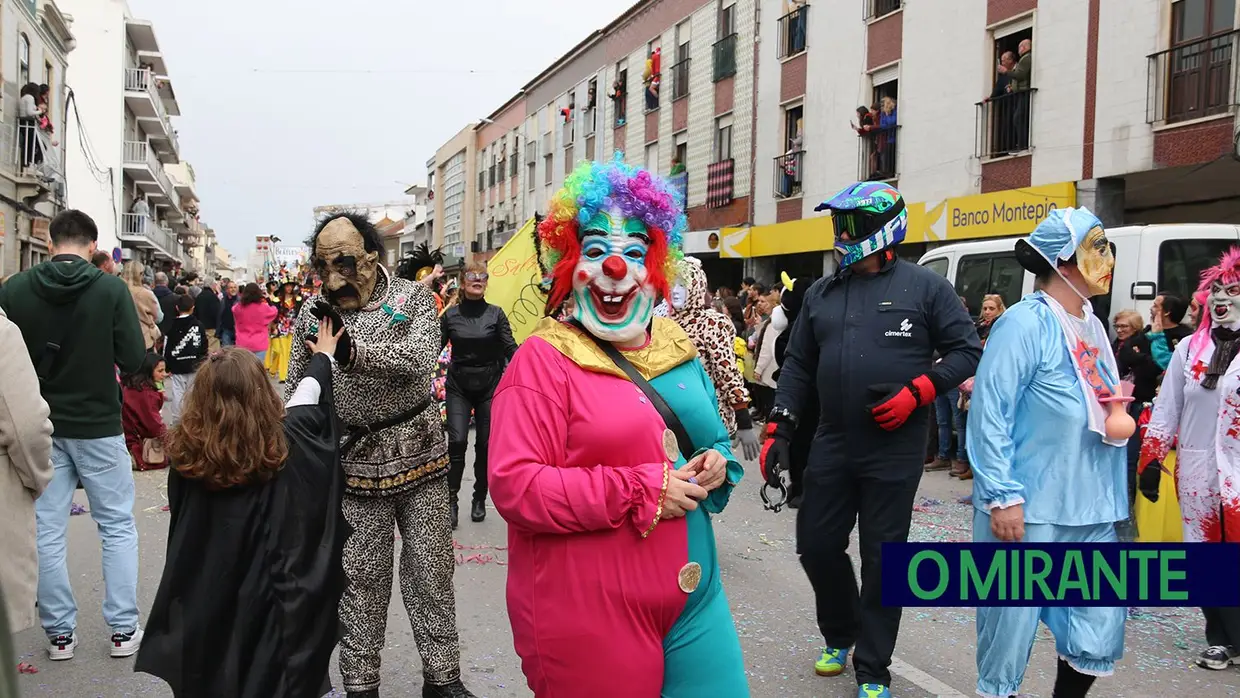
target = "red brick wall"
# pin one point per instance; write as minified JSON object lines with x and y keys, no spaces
{"x":725,"y":94}
{"x":703,"y":218}
{"x":652,"y":126}
{"x":999,"y":10}
{"x":1009,"y":173}
{"x":788,"y":210}
{"x":618,"y":140}
{"x":680,"y":115}
{"x":1193,"y":144}
{"x":792,"y":78}
{"x":886,"y":40}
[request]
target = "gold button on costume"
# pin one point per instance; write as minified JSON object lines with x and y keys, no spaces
{"x":689,"y":578}
{"x":671,"y":448}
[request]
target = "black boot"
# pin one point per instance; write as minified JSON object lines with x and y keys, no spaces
{"x":372,"y":693}
{"x":1070,"y":683}
{"x":478,"y":512}
{"x":452,"y":513}
{"x":456,"y":689}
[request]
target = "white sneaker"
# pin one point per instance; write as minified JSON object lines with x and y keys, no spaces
{"x":126,"y":644}
{"x":61,"y":647}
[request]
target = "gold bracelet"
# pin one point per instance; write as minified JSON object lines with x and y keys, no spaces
{"x":658,"y":512}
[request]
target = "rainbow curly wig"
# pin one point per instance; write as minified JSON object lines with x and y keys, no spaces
{"x":598,"y":186}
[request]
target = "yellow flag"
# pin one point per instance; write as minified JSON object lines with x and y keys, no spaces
{"x":514,"y":282}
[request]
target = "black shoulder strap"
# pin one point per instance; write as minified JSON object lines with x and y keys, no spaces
{"x":664,"y":410}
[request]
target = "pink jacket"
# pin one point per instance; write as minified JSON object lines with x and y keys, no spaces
{"x":252,"y":321}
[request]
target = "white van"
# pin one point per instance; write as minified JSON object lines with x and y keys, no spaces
{"x":1149,"y":260}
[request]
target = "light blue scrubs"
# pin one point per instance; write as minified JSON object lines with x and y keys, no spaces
{"x":1029,"y":443}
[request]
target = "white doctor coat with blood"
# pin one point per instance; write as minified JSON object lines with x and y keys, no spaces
{"x":1206,"y":424}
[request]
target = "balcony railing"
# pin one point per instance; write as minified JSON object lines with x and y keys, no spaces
{"x":143,"y":80}
{"x":876,"y":154}
{"x":788,"y":168}
{"x":33,"y":155}
{"x":880,"y":8}
{"x":136,"y":225}
{"x":1003,"y":124}
{"x":792,"y":28}
{"x":1193,"y":80}
{"x":725,"y":57}
{"x":680,"y":79}
{"x":140,"y":153}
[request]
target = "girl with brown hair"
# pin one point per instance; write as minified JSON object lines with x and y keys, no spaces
{"x":247,"y":606}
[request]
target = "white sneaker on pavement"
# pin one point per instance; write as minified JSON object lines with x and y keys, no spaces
{"x":126,"y":644}
{"x":61,"y":647}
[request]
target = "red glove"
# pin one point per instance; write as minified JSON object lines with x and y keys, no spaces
{"x":893,"y":411}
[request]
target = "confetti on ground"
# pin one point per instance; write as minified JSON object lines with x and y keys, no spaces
{"x":26,"y":668}
{"x":77,"y":509}
{"x":931,"y":502}
{"x":165,"y":508}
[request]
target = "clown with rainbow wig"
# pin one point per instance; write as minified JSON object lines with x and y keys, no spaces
{"x":609,"y":456}
{"x":1198,"y":407}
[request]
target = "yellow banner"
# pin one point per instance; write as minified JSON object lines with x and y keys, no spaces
{"x":998,"y":214}
{"x":514,"y":282}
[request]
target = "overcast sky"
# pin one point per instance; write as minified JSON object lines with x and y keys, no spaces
{"x":289,"y":105}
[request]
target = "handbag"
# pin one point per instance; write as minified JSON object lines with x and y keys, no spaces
{"x":153,"y":452}
{"x":660,"y":405}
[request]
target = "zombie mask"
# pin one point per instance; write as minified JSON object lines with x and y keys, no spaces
{"x":611,"y":238}
{"x":1224,"y":304}
{"x":348,"y":271}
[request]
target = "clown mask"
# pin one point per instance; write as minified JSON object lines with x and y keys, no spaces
{"x":347,"y":269}
{"x":1224,"y":305}
{"x":1095,"y":262}
{"x":611,"y":297}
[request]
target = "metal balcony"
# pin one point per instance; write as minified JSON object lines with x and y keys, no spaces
{"x":1193,"y":80}
{"x":29,"y":154}
{"x":144,"y":232}
{"x":140,"y":164}
{"x":142,"y":96}
{"x":877,"y":159}
{"x":1004,"y":124}
{"x":788,"y":173}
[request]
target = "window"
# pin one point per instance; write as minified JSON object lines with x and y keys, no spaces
{"x":878,"y":152}
{"x":937,"y":265}
{"x":530,"y":175}
{"x":652,"y":157}
{"x":652,"y":75}
{"x":547,"y":175}
{"x":793,"y":123}
{"x":724,"y":49}
{"x":682,"y":150}
{"x":482,"y":181}
{"x":1180,"y":263}
{"x":23,"y":59}
{"x":880,"y":8}
{"x":788,"y":167}
{"x":792,"y":28}
{"x":619,"y":94}
{"x":1195,"y":75}
{"x":1004,"y":115}
{"x":978,"y":275}
{"x":723,"y":138}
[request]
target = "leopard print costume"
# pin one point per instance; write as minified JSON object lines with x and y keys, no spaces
{"x":715,"y":337}
{"x":394,"y":479}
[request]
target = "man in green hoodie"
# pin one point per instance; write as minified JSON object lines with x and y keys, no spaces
{"x":80,"y":326}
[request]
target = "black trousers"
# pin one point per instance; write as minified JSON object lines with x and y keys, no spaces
{"x":878,"y":497}
{"x":802,"y":441}
{"x":1223,"y":624}
{"x":461,"y":403}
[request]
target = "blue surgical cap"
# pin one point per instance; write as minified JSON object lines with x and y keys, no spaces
{"x":1057,"y":237}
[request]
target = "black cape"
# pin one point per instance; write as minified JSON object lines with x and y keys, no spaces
{"x":247,"y":606}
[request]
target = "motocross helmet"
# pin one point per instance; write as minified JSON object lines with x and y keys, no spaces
{"x":868,"y":217}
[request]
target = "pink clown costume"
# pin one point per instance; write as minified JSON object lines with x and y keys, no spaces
{"x":608,"y":596}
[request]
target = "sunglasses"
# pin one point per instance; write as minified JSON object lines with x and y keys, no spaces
{"x":476,"y":276}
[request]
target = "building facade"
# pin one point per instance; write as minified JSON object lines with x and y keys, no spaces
{"x":36,"y":39}
{"x":450,"y":175}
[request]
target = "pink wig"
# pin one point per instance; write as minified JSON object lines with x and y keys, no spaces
{"x":1226,"y":272}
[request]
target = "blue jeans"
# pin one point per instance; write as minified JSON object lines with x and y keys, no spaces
{"x":947,"y":411}
{"x":228,"y":338}
{"x":104,"y":468}
{"x":262,"y":355}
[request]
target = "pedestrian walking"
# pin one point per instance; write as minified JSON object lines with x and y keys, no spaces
{"x":207,"y":308}
{"x":874,"y":381}
{"x":150,"y":314}
{"x":25,"y":471}
{"x":252,"y":316}
{"x":482,"y":345}
{"x":247,"y":603}
{"x":183,"y":352}
{"x":1048,"y":463}
{"x":80,"y":326}
{"x":227,"y":327}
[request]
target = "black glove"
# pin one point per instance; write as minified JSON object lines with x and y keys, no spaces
{"x":1148,"y":480}
{"x":776,"y":452}
{"x":344,"y":346}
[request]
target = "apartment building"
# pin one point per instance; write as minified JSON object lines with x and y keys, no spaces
{"x":119,"y":162}
{"x":35,"y":40}
{"x":1125,"y":106}
{"x":415,"y":230}
{"x":450,"y":175}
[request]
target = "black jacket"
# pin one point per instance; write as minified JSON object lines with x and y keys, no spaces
{"x":1135,"y":358}
{"x":207,"y":309}
{"x":482,"y":343}
{"x":168,"y":304}
{"x":855,"y":332}
{"x":226,"y":322}
{"x":186,"y":346}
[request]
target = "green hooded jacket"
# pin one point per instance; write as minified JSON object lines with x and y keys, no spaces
{"x":92,"y":316}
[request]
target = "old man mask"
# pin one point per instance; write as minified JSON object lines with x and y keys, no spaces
{"x":347,"y":270}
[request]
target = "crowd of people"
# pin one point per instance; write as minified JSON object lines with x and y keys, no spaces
{"x":619,"y":425}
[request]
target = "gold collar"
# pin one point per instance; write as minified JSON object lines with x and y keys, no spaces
{"x":668,"y":348}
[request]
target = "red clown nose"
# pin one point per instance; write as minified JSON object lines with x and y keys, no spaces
{"x":615,"y":267}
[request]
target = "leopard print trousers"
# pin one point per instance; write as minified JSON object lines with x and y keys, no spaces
{"x":426,"y":568}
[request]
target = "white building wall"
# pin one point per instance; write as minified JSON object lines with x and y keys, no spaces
{"x":1060,"y":33}
{"x":96,"y":75}
{"x":742,"y":104}
{"x":635,"y":132}
{"x":769,"y":130}
{"x":701,"y":101}
{"x":1128,"y":31}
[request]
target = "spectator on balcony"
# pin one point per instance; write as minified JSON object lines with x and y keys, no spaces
{"x":45,"y":110}
{"x":1020,"y":78}
{"x":678,"y":167}
{"x":792,"y":163}
{"x":144,"y":301}
{"x":28,"y":124}
{"x":142,"y":209}
{"x":885,"y":140}
{"x":1021,"y":73}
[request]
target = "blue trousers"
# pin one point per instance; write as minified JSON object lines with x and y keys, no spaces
{"x":947,"y":413}
{"x":1089,"y":639}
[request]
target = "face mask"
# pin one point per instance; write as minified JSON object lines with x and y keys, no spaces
{"x":610,"y":296}
{"x":1224,"y":305}
{"x":348,"y":271}
{"x":679,"y":297}
{"x":1095,"y":262}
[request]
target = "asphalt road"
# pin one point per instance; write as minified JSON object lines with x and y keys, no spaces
{"x":770,"y":597}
